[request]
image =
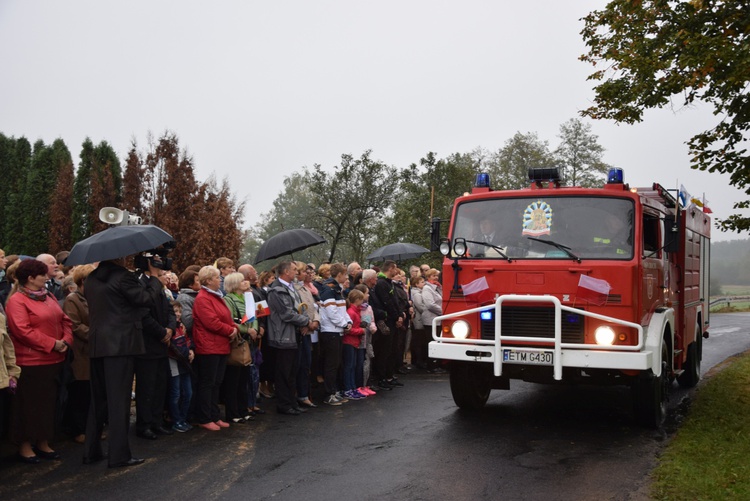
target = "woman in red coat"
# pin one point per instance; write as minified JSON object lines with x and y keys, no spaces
{"x":213,"y":329}
{"x":41,"y":335}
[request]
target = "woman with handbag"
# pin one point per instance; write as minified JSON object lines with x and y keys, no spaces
{"x":213,"y":331}
{"x":234,"y":387}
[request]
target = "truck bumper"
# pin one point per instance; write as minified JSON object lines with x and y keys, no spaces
{"x":592,"y":359}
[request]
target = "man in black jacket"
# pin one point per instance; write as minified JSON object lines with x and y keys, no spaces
{"x":117,"y":302}
{"x":152,"y":367}
{"x":388,"y":318}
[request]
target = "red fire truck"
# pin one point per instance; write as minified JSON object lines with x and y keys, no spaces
{"x":555,"y":284}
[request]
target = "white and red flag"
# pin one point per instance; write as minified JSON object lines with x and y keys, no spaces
{"x":478,"y":290}
{"x":593,"y":290}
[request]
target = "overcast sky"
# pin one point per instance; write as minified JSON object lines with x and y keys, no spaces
{"x":257,"y":90}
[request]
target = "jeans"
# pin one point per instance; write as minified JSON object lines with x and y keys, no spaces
{"x":350,"y":364}
{"x":180,"y":394}
{"x":253,"y":384}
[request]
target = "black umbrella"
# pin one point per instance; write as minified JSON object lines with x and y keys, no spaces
{"x":397,"y":252}
{"x":287,"y":242}
{"x":116,"y":242}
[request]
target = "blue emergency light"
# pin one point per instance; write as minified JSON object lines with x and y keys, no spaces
{"x":482,"y":180}
{"x":614,"y":176}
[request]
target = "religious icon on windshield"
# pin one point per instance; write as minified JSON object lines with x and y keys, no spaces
{"x":537,"y":219}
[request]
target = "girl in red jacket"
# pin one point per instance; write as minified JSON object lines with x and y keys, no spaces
{"x":352,"y":339}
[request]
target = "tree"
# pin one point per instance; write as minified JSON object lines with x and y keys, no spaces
{"x":650,"y":52}
{"x":217,"y":225}
{"x":580,"y":155}
{"x":98,"y":169}
{"x":40,"y":185}
{"x":428,"y":191}
{"x":350,"y":201}
{"x":15,"y":163}
{"x":510,"y":165}
{"x":61,"y":203}
{"x":132,"y":186}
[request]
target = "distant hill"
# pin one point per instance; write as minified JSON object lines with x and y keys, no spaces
{"x":730,"y":263}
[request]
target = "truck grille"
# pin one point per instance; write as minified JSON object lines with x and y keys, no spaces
{"x":536,"y":322}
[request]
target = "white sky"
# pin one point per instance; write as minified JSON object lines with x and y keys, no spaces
{"x":257,"y":90}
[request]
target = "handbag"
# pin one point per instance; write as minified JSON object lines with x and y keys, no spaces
{"x":240,"y":354}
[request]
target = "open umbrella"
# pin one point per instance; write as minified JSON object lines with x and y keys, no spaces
{"x":116,"y":242}
{"x":397,"y":252}
{"x":287,"y":242}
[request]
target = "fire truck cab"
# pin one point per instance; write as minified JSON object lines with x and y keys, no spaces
{"x":555,"y":284}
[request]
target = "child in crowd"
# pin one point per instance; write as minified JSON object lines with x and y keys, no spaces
{"x":352,"y":339}
{"x":180,"y":385}
{"x":365,"y":351}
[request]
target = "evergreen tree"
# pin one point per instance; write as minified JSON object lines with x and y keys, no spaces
{"x":61,"y":202}
{"x":132,"y":182}
{"x":97,"y":164}
{"x":15,"y":165}
{"x":216,"y":231}
{"x":40,"y":185}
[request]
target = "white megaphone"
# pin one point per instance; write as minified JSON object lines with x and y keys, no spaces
{"x":117,"y":217}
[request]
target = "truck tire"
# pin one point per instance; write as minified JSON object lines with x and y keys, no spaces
{"x":470,"y":385}
{"x":650,"y":394}
{"x":692,"y":374}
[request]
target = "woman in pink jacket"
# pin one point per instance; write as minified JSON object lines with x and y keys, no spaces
{"x":213,"y":329}
{"x":41,"y":335}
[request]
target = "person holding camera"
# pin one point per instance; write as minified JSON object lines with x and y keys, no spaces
{"x":152,"y":367}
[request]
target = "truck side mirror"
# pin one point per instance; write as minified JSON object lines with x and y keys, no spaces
{"x":671,"y":235}
{"x":435,"y":234}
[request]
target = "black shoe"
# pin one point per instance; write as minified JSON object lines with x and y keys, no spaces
{"x":289,"y":412}
{"x":395,"y":383}
{"x":52,"y":456}
{"x":301,"y":410}
{"x":94,"y":459}
{"x":147,"y":434}
{"x":238,"y":420}
{"x":129,"y":462}
{"x":28,"y":459}
{"x":160,"y":430}
{"x":384,"y":385}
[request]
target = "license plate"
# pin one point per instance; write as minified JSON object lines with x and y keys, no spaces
{"x":535,"y":357}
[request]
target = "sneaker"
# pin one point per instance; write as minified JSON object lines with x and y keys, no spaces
{"x":357,"y":392}
{"x":221,"y":424}
{"x":341,"y":398}
{"x":353,"y":395}
{"x":365,"y":391}
{"x":187,"y":425}
{"x":371,"y":390}
{"x":210,"y":426}
{"x":238,"y":420}
{"x":332,"y":400}
{"x":395,"y":383}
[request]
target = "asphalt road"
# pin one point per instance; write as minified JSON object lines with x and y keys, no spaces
{"x":412,"y":443}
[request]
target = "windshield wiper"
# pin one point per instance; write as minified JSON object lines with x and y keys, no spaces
{"x":495,"y":247}
{"x":563,"y":248}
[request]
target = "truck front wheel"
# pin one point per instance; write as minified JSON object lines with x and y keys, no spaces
{"x":470,"y":385}
{"x":692,"y":374}
{"x":650,"y":395}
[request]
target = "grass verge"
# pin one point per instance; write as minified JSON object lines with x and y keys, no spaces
{"x":709,"y":457}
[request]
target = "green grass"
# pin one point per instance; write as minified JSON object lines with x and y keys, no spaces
{"x":709,"y":457}
{"x":735,"y":290}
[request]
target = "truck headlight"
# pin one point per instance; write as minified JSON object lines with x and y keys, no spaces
{"x":460,"y":329}
{"x":604,"y":335}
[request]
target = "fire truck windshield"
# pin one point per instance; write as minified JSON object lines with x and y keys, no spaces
{"x":560,"y":227}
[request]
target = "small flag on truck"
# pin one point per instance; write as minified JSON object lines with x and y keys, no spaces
{"x":478,"y":290}
{"x":593,"y":290}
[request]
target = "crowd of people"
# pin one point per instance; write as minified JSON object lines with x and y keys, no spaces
{"x":81,"y":342}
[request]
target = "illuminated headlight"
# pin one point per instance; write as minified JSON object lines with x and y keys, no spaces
{"x":604,"y":335}
{"x":460,"y":329}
